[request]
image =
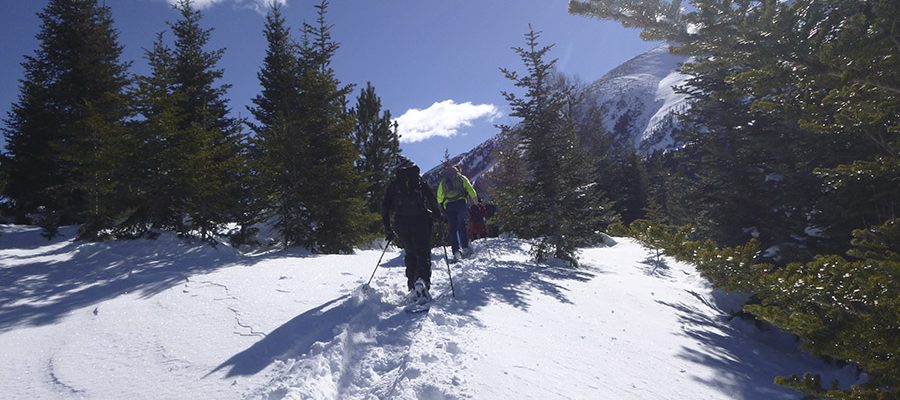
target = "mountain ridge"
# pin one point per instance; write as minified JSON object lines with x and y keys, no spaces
{"x":638,"y":103}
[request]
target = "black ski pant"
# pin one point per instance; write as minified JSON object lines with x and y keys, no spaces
{"x":414,"y":233}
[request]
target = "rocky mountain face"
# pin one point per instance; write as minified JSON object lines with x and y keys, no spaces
{"x":638,"y":104}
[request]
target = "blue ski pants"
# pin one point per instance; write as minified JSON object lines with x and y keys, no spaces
{"x":456,"y":220}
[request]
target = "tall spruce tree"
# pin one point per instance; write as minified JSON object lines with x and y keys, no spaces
{"x":334,"y":196}
{"x":160,"y":180}
{"x":200,"y":166}
{"x":556,"y":205}
{"x":65,"y":135}
{"x":215,"y":140}
{"x":280,"y":148}
{"x":376,"y":139}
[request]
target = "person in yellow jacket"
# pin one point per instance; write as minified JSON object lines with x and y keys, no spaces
{"x":453,"y":192}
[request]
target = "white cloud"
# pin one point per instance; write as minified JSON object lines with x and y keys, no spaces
{"x":442,"y":119}
{"x":260,"y":6}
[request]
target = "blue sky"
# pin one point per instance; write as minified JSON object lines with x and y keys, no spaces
{"x":433,"y":63}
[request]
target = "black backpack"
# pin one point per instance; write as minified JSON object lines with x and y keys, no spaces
{"x":409,"y":200}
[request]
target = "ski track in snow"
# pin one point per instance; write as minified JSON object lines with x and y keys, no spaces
{"x":61,"y":387}
{"x":381,"y":352}
{"x":248,"y":330}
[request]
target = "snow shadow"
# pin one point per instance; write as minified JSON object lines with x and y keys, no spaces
{"x":745,"y":361}
{"x":488,"y":278}
{"x":308,"y":332}
{"x":301,"y":332}
{"x":479,"y":281}
{"x":657,"y":268}
{"x":42,"y":282}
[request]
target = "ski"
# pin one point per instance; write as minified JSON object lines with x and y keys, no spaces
{"x":417,"y":308}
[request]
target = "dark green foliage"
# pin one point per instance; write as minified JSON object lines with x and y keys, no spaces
{"x":795,"y":102}
{"x":215,"y":163}
{"x":334,"y":196}
{"x":627,"y":181}
{"x":192,"y":170}
{"x":65,"y":135}
{"x":303,"y":155}
{"x":544,"y":176}
{"x":160,"y":179}
{"x":376,"y":139}
{"x":845,"y":308}
{"x":280,"y":148}
{"x":509,"y":174}
{"x":793,"y":136}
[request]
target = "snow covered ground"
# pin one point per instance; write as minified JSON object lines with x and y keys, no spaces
{"x":170,"y":319}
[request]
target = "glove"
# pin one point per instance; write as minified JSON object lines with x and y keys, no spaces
{"x":390,"y":236}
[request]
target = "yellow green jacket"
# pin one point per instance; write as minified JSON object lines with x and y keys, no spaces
{"x":446,"y":195}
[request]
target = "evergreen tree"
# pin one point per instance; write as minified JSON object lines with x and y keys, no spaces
{"x":161,"y":182}
{"x":197,"y":170}
{"x":508,"y":176}
{"x":334,"y":196}
{"x":280,"y":148}
{"x":376,"y":139}
{"x":784,"y":95}
{"x":844,"y":308}
{"x":629,"y":177}
{"x":556,"y":204}
{"x":793,"y":130}
{"x":65,"y":135}
{"x":215,"y":140}
{"x":588,"y":208}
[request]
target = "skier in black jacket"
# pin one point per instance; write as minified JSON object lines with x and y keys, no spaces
{"x":413,"y":205}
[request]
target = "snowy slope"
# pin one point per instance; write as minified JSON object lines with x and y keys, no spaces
{"x":168,"y":319}
{"x":638,"y":101}
{"x":474,"y":164}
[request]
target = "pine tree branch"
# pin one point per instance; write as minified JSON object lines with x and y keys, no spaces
{"x":894,"y":36}
{"x":888,"y":88}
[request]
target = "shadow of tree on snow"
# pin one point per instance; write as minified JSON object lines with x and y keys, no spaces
{"x":44,"y":281}
{"x":746,"y":367}
{"x":478,"y":281}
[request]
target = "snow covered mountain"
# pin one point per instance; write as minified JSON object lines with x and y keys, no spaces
{"x":474,"y":164}
{"x":173,"y":319}
{"x":638,"y":103}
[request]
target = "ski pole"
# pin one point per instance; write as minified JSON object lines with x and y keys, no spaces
{"x":379,"y":263}
{"x":447,"y":260}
